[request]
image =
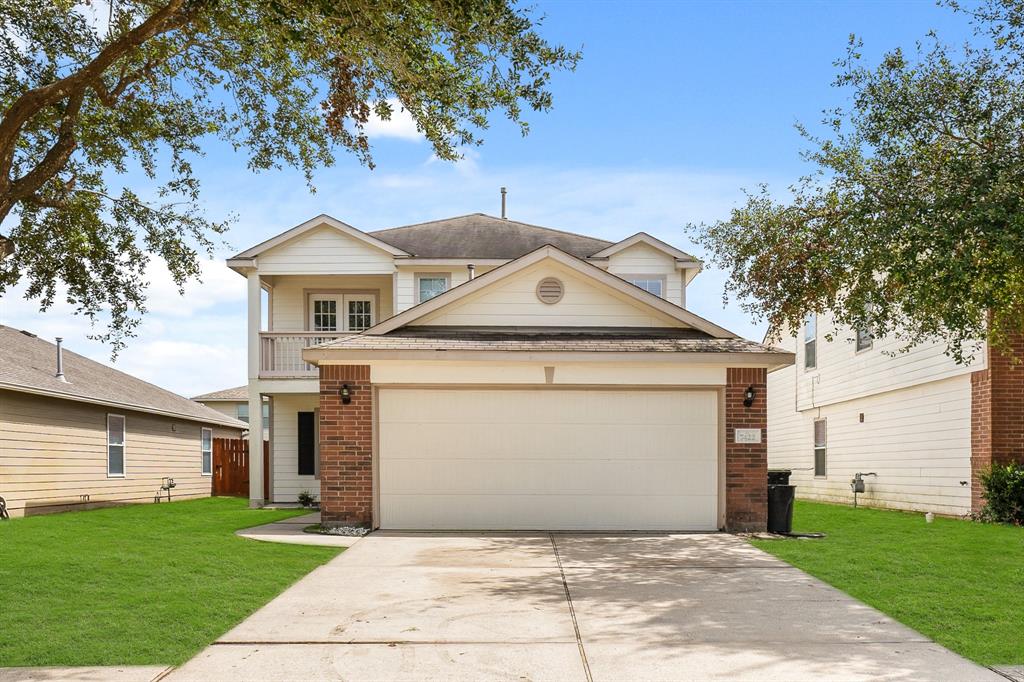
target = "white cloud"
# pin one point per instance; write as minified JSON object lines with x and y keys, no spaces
{"x":401,"y":124}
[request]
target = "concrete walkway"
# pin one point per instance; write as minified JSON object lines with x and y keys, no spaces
{"x":563,"y":607}
{"x":290,"y":531}
{"x":99,"y":673}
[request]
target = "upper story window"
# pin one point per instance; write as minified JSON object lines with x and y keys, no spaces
{"x":430,"y":285}
{"x":115,"y":445}
{"x":811,"y":341}
{"x":242,"y":412}
{"x":865,"y":337}
{"x":652,"y":285}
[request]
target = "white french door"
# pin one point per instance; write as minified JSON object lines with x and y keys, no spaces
{"x":341,"y":312}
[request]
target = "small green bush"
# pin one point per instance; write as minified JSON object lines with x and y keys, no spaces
{"x":307,"y":499}
{"x":1004,"y":493}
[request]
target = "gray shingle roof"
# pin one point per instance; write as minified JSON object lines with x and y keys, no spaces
{"x":482,"y":236}
{"x":550,"y":340}
{"x":28,"y":362}
{"x":229,"y":394}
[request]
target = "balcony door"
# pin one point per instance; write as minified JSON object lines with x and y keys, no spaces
{"x":342,"y":312}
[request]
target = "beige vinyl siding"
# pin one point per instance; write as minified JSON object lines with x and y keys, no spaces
{"x":286,"y":481}
{"x":53,"y":452}
{"x":843,"y":374}
{"x":325,"y":251}
{"x":229,"y":409}
{"x":641,"y":259}
{"x":514,"y":302}
{"x":916,"y":430}
{"x":290,"y":307}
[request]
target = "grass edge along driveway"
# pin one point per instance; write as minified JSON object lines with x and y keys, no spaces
{"x":958,"y":582}
{"x":148,"y":584}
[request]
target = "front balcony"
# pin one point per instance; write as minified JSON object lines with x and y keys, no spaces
{"x":281,"y":353}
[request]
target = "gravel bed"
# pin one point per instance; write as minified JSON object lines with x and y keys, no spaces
{"x":348,"y":531}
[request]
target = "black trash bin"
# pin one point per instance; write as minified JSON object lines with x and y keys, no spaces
{"x":780,"y":501}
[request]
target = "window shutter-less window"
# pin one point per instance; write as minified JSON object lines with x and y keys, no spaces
{"x":820,"y":447}
{"x":307,"y":444}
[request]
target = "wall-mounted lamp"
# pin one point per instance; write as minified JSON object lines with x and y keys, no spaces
{"x":346,"y":394}
{"x":748,"y":396}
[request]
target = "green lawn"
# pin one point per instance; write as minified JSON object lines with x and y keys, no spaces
{"x":145,"y":584}
{"x":958,"y":582}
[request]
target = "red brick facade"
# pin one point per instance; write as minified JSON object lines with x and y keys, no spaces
{"x":746,"y":464}
{"x":346,"y":446}
{"x":997,"y":415}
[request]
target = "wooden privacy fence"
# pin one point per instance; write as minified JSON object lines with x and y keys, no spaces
{"x":231,"y":467}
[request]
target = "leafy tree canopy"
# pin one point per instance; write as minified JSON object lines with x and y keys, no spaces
{"x":286,"y":81}
{"x":912,"y":221}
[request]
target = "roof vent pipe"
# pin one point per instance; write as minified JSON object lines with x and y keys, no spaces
{"x":503,"y":193}
{"x":472,"y":270}
{"x":60,"y":360}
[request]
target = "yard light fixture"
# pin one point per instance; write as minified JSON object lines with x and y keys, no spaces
{"x":346,"y":394}
{"x":748,"y":397}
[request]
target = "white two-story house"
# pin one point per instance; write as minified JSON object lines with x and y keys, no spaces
{"x":452,"y":346}
{"x":921,"y":424}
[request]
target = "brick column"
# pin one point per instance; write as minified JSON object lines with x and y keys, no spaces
{"x":346,"y":446}
{"x":746,"y":464}
{"x":997,"y":415}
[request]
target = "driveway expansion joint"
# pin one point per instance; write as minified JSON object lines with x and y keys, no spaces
{"x":572,"y":611}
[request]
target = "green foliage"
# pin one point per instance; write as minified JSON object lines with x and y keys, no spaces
{"x":1004,"y":493}
{"x":286,"y":81}
{"x":912,"y":222}
{"x":306,"y":498}
{"x":147,"y":584}
{"x":957,"y":582}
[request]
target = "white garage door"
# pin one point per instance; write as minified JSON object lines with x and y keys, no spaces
{"x":548,"y":459}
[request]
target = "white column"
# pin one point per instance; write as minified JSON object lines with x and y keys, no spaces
{"x":255,"y":399}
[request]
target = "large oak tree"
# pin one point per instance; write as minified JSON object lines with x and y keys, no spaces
{"x":912,"y":222}
{"x":287,"y":82}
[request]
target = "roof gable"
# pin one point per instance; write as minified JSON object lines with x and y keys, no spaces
{"x":500,"y":292}
{"x":644,"y":238}
{"x":322,"y":220}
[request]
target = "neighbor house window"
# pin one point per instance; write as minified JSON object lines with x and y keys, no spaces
{"x":811,"y":341}
{"x":652,"y":285}
{"x":115,"y":445}
{"x":429,"y":286}
{"x":242,"y":412}
{"x":864,"y":336}
{"x":207,"y":447}
{"x":820,"y":448}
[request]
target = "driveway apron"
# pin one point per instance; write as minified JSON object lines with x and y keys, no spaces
{"x":474,"y":606}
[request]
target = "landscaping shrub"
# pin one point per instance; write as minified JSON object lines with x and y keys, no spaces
{"x":1004,"y":493}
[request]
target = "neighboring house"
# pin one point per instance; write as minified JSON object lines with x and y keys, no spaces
{"x":234,"y":402}
{"x":925,"y":425}
{"x":481,"y":373}
{"x":77,"y":434}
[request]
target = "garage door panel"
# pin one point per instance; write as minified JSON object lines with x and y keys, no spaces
{"x":527,"y":512}
{"x":548,"y":477}
{"x":548,"y":458}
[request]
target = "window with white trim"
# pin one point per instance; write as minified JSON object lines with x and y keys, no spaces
{"x":206,"y":436}
{"x":429,"y":286}
{"x":115,"y":445}
{"x":865,"y":337}
{"x":652,"y":285}
{"x":811,"y":341}
{"x":820,"y":447}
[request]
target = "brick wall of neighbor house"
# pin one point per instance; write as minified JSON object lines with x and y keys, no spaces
{"x":746,"y":464}
{"x":346,"y":446}
{"x":997,"y":414}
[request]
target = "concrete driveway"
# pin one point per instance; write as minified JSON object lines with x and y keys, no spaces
{"x":568,"y":607}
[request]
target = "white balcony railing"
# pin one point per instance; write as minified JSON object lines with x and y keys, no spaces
{"x":281,"y":352}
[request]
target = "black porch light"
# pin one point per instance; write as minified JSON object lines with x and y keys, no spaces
{"x":748,"y":396}
{"x":346,"y":394}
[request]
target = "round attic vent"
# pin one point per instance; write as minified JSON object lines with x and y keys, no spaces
{"x":550,"y":290}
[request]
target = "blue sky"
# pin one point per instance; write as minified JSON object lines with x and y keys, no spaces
{"x":674,"y":109}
